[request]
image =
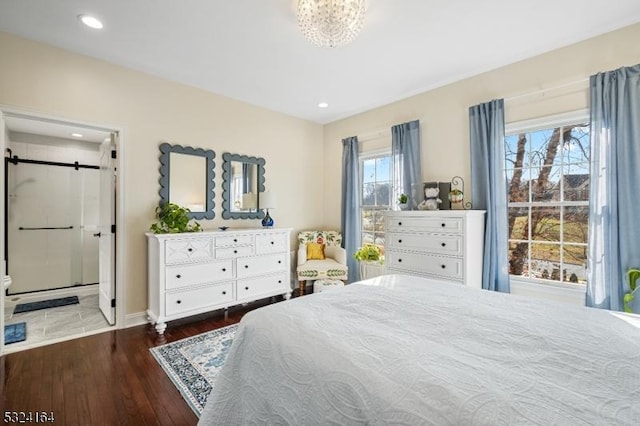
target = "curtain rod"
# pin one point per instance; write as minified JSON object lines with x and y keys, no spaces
{"x":548,"y":89}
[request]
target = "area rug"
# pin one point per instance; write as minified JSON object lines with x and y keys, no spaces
{"x":193,"y":364}
{"x":45,"y":304}
{"x":14,"y":333}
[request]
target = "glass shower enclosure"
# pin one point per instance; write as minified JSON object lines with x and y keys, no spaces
{"x":51,"y":222}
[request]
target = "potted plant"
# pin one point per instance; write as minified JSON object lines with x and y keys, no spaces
{"x":371,"y":261}
{"x":402,"y":201}
{"x":455,"y":196}
{"x":173,"y":219}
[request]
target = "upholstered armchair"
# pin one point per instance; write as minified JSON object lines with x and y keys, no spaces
{"x":320,"y":256}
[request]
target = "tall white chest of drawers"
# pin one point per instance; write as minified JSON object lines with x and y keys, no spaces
{"x":445,"y":244}
{"x":192,"y":273}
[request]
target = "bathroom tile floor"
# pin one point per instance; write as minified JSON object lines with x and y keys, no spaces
{"x":57,"y":323}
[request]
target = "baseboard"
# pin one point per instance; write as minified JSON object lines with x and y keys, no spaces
{"x":138,"y":318}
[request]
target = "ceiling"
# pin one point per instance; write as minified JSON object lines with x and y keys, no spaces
{"x":251,"y":50}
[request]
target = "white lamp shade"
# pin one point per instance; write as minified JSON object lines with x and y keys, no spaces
{"x":267,"y":200}
{"x":249,"y":201}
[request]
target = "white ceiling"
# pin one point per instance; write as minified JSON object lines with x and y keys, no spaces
{"x":251,"y":50}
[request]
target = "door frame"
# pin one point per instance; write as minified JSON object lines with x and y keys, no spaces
{"x":120,"y":243}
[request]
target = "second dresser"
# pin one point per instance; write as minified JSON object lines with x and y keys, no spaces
{"x":446,"y":244}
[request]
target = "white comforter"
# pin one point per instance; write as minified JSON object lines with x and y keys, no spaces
{"x":411,"y":351}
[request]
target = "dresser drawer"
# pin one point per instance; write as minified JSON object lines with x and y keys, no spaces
{"x":255,"y":288}
{"x":254,"y":265}
{"x":271,"y":243}
{"x":428,"y":224}
{"x":202,"y":297}
{"x":234,"y":240}
{"x":186,"y":275}
{"x":440,"y":243}
{"x":451,"y":267}
{"x":231,"y":252}
{"x":186,"y":250}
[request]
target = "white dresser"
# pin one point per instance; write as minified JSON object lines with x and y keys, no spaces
{"x":444,"y":244}
{"x":192,"y":273}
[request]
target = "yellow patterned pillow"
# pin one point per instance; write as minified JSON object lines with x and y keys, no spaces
{"x":315,"y":251}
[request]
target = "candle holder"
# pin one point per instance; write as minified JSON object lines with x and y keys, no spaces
{"x":456,"y":194}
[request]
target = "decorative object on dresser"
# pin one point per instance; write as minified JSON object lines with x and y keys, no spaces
{"x":267,"y":200}
{"x":444,"y":188}
{"x":194,"y":273}
{"x":173,"y":219}
{"x":320,"y":255}
{"x":456,"y":194}
{"x":402,"y":202}
{"x":431,"y":200}
{"x":439,"y":244}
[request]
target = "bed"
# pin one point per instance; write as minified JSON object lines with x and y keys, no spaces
{"x":410,"y":351}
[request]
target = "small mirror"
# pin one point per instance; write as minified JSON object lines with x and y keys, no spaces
{"x":186,"y":179}
{"x":242,"y":180}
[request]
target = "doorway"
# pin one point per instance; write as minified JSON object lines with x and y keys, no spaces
{"x":59,"y":228}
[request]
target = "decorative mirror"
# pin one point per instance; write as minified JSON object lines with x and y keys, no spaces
{"x":242,"y":181}
{"x":186,"y":179}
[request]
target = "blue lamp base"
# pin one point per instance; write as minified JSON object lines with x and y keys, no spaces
{"x":267,"y":221}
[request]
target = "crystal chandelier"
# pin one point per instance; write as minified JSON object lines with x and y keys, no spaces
{"x":330,"y":23}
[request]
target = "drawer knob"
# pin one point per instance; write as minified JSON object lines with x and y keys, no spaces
{"x":279,"y":261}
{"x":399,"y":223}
{"x":443,"y":225}
{"x":178,"y":276}
{"x":235,"y":251}
{"x":272,"y":243}
{"x":443,"y":244}
{"x":246,"y":266}
{"x":279,"y":281}
{"x":178,"y":301}
{"x":235,"y":240}
{"x":224,"y":269}
{"x":443,"y":266}
{"x":189,"y":249}
{"x":399,"y":260}
{"x":246,"y":288}
{"x":399,"y":241}
{"x":224,"y":292}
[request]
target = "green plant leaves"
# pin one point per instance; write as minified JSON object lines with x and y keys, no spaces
{"x":173,"y":219}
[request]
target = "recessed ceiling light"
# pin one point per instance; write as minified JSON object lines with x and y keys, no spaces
{"x":90,"y":21}
{"x":323,"y":105}
{"x":77,"y":135}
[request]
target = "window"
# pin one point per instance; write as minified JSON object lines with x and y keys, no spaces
{"x":548,"y":202}
{"x":375,"y":196}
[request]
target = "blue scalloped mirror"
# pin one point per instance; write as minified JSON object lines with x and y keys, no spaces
{"x":187,"y":179}
{"x":242,"y":181}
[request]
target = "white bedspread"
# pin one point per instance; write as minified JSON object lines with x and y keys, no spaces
{"x":411,"y":351}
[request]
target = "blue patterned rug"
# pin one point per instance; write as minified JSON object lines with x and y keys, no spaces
{"x":193,"y":364}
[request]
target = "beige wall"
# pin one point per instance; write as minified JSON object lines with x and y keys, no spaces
{"x":46,"y":80}
{"x":443,"y":112}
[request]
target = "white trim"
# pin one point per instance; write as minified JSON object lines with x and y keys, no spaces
{"x":548,"y":89}
{"x":367,"y":155}
{"x":565,"y":293}
{"x":23,"y":347}
{"x":11,"y":111}
{"x":546,"y":122}
{"x":138,"y":318}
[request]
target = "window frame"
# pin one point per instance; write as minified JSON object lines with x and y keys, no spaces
{"x":362,"y":157}
{"x":532,"y":125}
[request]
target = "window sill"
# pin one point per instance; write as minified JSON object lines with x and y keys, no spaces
{"x":565,"y":293}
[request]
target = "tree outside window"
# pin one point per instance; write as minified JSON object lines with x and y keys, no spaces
{"x":376,"y":178}
{"x":548,"y":202}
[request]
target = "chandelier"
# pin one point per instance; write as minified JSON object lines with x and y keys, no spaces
{"x":330,"y":23}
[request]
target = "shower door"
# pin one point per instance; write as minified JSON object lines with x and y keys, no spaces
{"x":52,"y":216}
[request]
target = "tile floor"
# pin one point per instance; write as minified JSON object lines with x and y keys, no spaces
{"x":57,"y":323}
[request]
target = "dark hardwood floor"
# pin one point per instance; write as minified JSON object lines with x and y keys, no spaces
{"x":105,"y":379}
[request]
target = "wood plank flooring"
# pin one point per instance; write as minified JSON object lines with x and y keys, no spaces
{"x":105,"y":379}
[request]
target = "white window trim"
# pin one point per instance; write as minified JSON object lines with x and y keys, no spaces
{"x":554,"y":290}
